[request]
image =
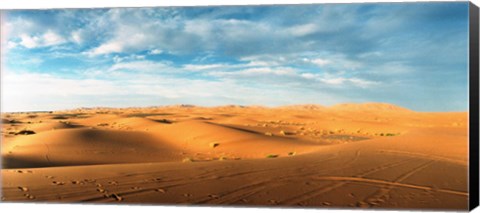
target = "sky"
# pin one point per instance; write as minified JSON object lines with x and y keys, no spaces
{"x":413,"y":55}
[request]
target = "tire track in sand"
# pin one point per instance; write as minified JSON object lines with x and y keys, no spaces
{"x":316,"y":192}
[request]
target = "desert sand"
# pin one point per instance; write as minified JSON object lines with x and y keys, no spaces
{"x":371,"y":155}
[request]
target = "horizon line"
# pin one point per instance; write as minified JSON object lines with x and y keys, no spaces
{"x":186,"y":105}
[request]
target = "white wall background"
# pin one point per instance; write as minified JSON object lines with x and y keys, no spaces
{"x":81,"y":208}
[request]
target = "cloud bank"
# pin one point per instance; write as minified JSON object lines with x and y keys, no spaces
{"x":412,"y":54}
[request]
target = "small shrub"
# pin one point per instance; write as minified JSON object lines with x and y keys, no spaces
{"x":32,"y":116}
{"x":25,"y":132}
{"x":58,"y":117}
{"x":213,"y":145}
{"x":186,"y":160}
{"x":165,"y":121}
{"x":388,"y":134}
{"x":292,"y":153}
{"x":272,"y":156}
{"x":13,"y":121}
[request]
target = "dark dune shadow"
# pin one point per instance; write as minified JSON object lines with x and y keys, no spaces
{"x":237,"y":128}
{"x":143,"y":115}
{"x":163,"y":121}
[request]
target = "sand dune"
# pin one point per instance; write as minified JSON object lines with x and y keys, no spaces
{"x":371,"y":107}
{"x":352,"y":155}
{"x":85,"y":147}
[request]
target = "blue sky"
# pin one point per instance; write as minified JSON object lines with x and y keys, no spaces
{"x":413,"y":55}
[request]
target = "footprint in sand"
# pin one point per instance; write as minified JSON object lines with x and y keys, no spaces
{"x":58,"y":183}
{"x":76,"y":182}
{"x":362,"y":204}
{"x":29,"y":196}
{"x":90,"y":180}
{"x":301,"y":204}
{"x":214,"y":196}
{"x":116,"y":197}
{"x":160,"y":190}
{"x":24,"y":189}
{"x":375,"y":202}
{"x":273,"y":201}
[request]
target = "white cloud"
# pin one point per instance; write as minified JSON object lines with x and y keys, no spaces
{"x":303,"y":30}
{"x":321,"y":62}
{"x":117,"y":59}
{"x":111,"y":47}
{"x":339,"y":81}
{"x":16,"y":27}
{"x":331,"y":61}
{"x":141,"y":66}
{"x":257,"y":63}
{"x":50,"y":38}
{"x":392,"y":67}
{"x":333,"y":81}
{"x":28,"y":41}
{"x":155,"y":52}
{"x":77,"y":37}
{"x":252,"y":72}
{"x":200,"y":67}
{"x":199,"y":27}
{"x":267,"y":70}
{"x":138,"y":32}
{"x":309,"y":75}
{"x":31,"y":61}
{"x":268,"y":60}
{"x":363,"y":83}
{"x":269,"y":74}
{"x":342,"y":81}
{"x":11,"y":45}
{"x":181,"y":35}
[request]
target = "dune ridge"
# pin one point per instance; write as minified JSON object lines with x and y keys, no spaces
{"x":371,"y":106}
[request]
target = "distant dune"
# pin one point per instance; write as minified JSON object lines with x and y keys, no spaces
{"x":305,"y":107}
{"x":371,"y":155}
{"x":370,"y":107}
